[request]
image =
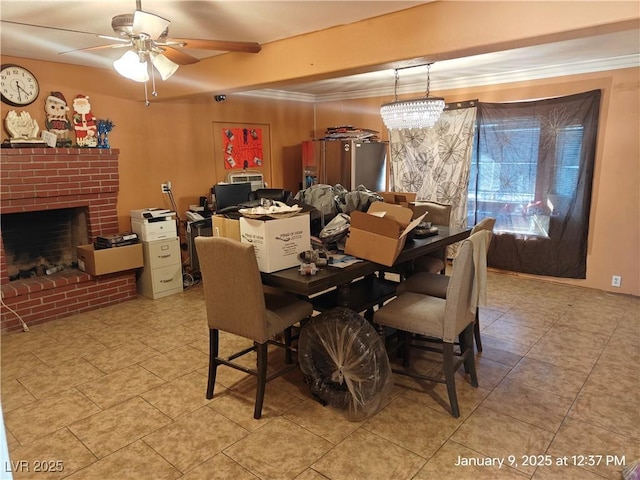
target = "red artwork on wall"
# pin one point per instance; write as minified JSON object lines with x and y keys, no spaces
{"x":242,"y":148}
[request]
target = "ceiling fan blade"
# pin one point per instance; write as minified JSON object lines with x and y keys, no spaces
{"x":149,"y":24}
{"x":126,"y":41}
{"x":47,"y":27}
{"x":220,"y":45}
{"x":114,"y":39}
{"x":177,"y":56}
{"x":99,"y":47}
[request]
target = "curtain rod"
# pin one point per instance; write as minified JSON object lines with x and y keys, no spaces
{"x":457,"y":105}
{"x":415,"y":66}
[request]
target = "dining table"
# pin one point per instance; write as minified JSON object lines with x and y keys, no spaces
{"x":361,"y":285}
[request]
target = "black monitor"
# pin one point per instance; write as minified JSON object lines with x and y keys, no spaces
{"x":231,"y":194}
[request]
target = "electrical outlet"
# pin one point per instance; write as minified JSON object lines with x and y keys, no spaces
{"x":166,"y":187}
{"x":616,"y":280}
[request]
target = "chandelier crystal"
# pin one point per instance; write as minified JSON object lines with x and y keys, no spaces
{"x":414,"y":113}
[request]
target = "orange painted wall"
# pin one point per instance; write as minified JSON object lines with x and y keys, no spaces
{"x":174,"y":141}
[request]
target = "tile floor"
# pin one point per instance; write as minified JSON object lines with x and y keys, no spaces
{"x":118,"y":394}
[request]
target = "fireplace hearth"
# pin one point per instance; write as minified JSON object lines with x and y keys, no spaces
{"x":51,"y":200}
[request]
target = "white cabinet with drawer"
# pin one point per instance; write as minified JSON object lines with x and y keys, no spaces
{"x":162,"y":271}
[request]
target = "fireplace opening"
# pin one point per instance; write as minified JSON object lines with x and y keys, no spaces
{"x":42,"y":242}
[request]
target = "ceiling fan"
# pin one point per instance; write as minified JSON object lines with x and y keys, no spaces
{"x":146,"y":36}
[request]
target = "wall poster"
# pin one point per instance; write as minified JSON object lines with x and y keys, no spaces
{"x":242,"y":146}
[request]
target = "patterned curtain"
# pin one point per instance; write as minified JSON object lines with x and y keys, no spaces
{"x":434,"y":162}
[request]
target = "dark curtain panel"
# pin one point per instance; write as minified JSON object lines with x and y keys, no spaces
{"x":532,"y":170}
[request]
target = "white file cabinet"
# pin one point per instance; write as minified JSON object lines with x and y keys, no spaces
{"x":162,"y":271}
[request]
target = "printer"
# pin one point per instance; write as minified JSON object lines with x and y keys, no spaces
{"x":153,"y":224}
{"x":150,"y":213}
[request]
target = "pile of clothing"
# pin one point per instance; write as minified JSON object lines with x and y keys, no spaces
{"x":330,"y":209}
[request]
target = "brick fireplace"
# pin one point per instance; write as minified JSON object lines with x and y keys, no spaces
{"x":53,"y":179}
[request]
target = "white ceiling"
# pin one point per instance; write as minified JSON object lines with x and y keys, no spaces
{"x":267,"y":21}
{"x":589,"y":54}
{"x":258,"y":21}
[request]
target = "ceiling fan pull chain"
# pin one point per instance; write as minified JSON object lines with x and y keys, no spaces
{"x":146,"y":97}
{"x":153,"y":81}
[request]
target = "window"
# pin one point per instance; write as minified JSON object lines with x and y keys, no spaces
{"x":505,"y":173}
{"x":508,"y":175}
{"x":567,"y":164}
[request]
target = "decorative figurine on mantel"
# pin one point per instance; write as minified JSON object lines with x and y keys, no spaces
{"x":23,"y":129}
{"x":84,"y":122}
{"x":57,"y":121}
{"x":104,"y":127}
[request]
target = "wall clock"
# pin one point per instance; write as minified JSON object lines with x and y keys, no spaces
{"x":19,"y":87}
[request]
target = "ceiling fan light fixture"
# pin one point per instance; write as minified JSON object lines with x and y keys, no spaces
{"x":165,"y":67}
{"x":132,"y":67}
{"x":421,"y":112}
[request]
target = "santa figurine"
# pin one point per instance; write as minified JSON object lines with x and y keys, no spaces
{"x":57,"y":121}
{"x":84,"y":122}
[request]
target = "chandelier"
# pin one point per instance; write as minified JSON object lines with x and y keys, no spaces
{"x":414,"y":113}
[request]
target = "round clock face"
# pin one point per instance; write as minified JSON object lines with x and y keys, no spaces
{"x":19,"y":87}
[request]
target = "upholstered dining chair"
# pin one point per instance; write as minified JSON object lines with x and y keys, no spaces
{"x":435,"y":284}
{"x":237,"y":303}
{"x":417,"y":317}
{"x":438,"y":214}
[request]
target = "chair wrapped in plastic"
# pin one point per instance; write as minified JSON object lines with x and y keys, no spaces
{"x":345,"y":363}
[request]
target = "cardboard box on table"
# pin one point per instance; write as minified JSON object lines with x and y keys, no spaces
{"x":398,"y":198}
{"x":226,"y":227}
{"x":109,"y":260}
{"x":405,"y":199}
{"x":379,"y":234}
{"x":278,"y":241}
{"x":419,"y":208}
